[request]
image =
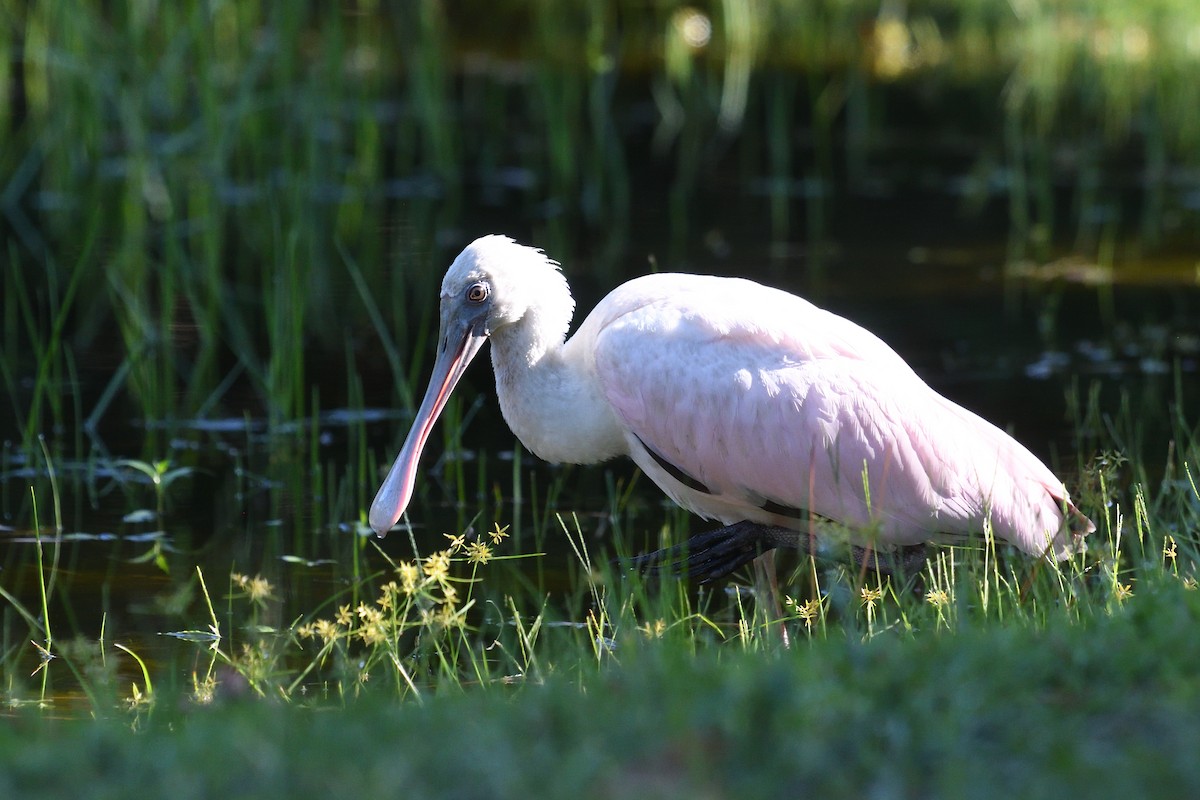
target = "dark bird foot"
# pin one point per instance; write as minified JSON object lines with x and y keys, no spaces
{"x":712,"y":555}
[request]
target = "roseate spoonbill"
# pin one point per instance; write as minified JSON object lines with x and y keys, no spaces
{"x":745,"y":404}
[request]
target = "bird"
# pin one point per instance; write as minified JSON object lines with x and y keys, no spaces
{"x":745,"y":404}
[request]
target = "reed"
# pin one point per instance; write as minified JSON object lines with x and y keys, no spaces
{"x":224,"y":165}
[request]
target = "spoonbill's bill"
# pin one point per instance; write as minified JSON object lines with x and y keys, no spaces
{"x":745,"y":404}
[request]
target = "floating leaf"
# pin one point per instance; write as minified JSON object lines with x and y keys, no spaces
{"x":307,"y":562}
{"x":192,"y":636}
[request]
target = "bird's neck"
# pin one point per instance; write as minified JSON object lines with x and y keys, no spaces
{"x":549,"y":395}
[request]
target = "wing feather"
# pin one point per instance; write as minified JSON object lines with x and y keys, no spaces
{"x":765,"y":398}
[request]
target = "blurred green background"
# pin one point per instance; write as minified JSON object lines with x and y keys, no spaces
{"x":215,"y":201}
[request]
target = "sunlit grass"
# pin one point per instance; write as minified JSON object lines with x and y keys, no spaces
{"x":433,"y":621}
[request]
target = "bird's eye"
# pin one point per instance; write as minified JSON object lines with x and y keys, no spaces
{"x":477,"y":292}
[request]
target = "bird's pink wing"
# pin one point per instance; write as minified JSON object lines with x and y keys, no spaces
{"x":764,"y":401}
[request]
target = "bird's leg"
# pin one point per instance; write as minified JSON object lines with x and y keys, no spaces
{"x":766,"y":592}
{"x":906,"y":560}
{"x":714,"y":554}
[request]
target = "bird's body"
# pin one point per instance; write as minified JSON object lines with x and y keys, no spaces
{"x":741,"y":402}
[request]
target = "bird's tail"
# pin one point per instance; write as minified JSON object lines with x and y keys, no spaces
{"x":1071,"y":537}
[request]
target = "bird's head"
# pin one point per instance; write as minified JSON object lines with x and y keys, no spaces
{"x":493,"y":285}
{"x":497,"y":283}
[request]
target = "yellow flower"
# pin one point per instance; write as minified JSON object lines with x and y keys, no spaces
{"x":938,"y":597}
{"x":498,"y":534}
{"x":369,"y":614}
{"x":344,"y":617}
{"x":409,"y":574}
{"x":1169,"y":549}
{"x":870,"y":597}
{"x":1124,"y":591}
{"x":437,"y":566}
{"x":479,"y":553}
{"x":326,"y":630}
{"x":387,"y":596}
{"x":259,"y":589}
{"x":808,"y":611}
{"x":372,"y":634}
{"x":456,"y":542}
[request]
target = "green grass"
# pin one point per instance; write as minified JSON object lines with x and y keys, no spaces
{"x":1105,"y":705}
